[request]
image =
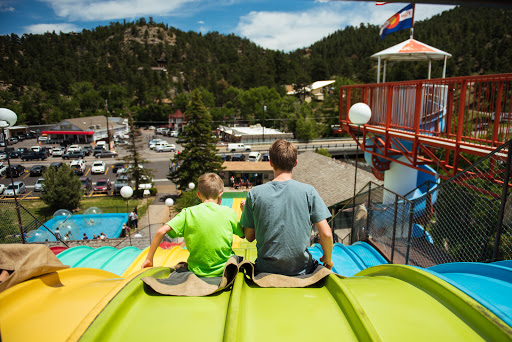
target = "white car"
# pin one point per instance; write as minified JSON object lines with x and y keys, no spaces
{"x":57,"y":152}
{"x":154,"y":142}
{"x":254,"y":157}
{"x":165,"y":148}
{"x":98,"y":167}
{"x":3,"y":170}
{"x":74,"y":148}
{"x":2,"y":188}
{"x":127,"y":169}
{"x":173,"y":134}
{"x":18,"y":187}
{"x":145,"y":183}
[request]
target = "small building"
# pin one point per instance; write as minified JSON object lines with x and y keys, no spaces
{"x":177,"y":121}
{"x":316,"y":91}
{"x":251,"y":134}
{"x":86,"y":130}
{"x":255,"y":173}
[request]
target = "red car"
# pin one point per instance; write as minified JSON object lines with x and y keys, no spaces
{"x":102,"y":186}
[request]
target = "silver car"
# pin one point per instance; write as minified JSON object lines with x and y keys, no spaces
{"x":16,"y":187}
{"x":39,"y":184}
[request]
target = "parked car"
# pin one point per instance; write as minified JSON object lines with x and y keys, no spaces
{"x":165,"y":148}
{"x":238,"y":157}
{"x":14,"y":154}
{"x":145,"y":183}
{"x":56,"y":165}
{"x":36,"y":148}
{"x":73,"y":155}
{"x":74,"y":148}
{"x":3,"y":156}
{"x":39,"y":185}
{"x":87,"y":150}
{"x":16,"y":170}
{"x":117,"y":166}
{"x":154,"y":142}
{"x":97,"y":149}
{"x":23,"y":150}
{"x":173,"y":134}
{"x":78,"y":166}
{"x":2,"y":188}
{"x":86,"y":184}
{"x":3,"y":170}
{"x":15,"y":188}
{"x":33,"y":156}
{"x":37,"y":170}
{"x":102,"y":186}
{"x":121,"y":181}
{"x":107,"y":154}
{"x":254,"y":157}
{"x":98,"y":167}
{"x":265,"y":157}
{"x":127,"y":169}
{"x":226,"y":157}
{"x":43,"y":140}
{"x":58,"y":151}
{"x":21,"y":137}
{"x":13,"y":140}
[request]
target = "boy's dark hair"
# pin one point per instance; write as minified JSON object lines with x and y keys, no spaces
{"x":210,"y":185}
{"x":283,"y":155}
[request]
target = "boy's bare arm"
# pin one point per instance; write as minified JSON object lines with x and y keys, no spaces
{"x":326,"y":242}
{"x":249,"y":234}
{"x":154,"y":245}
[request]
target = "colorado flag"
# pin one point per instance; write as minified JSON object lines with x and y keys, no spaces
{"x":399,"y":21}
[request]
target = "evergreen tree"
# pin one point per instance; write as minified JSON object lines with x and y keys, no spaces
{"x":199,"y":154}
{"x":62,"y":188}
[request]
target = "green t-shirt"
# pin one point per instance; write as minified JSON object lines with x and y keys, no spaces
{"x":208,"y":230}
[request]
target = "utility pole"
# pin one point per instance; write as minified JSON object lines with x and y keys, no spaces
{"x":108,"y":129}
{"x":264,"y":114}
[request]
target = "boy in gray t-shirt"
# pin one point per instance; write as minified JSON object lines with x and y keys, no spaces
{"x":279,"y":214}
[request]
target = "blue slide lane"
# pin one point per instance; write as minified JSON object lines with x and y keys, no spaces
{"x":120,"y":261}
{"x":489,"y":284}
{"x":73,"y":255}
{"x":349,"y":260}
{"x":97,"y":258}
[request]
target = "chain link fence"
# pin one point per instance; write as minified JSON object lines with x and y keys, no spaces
{"x":465,"y":219}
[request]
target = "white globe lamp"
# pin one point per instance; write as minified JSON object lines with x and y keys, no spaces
{"x":191,"y":186}
{"x":359,"y":114}
{"x":169,"y":202}
{"x":7,"y":118}
{"x":126,"y":191}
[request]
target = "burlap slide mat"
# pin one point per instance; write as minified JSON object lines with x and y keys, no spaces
{"x":182,"y":282}
{"x":26,"y":261}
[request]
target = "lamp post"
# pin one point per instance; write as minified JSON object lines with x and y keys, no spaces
{"x":359,"y":114}
{"x":191,"y":186}
{"x":7,"y":119}
{"x":127,"y":192}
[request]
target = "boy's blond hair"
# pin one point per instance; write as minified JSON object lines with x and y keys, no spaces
{"x":283,"y":155}
{"x":210,"y":185}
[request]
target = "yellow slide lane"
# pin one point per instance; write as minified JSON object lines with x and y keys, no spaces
{"x":59,"y":299}
{"x":163,"y":258}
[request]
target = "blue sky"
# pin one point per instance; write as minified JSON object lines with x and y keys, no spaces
{"x":275,"y":24}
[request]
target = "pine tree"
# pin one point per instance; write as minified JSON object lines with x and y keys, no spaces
{"x":199,"y":154}
{"x":62,"y":189}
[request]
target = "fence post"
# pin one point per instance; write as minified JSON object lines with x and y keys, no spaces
{"x":369,"y":211}
{"x":409,"y":235}
{"x":394,"y":229}
{"x":499,"y":227}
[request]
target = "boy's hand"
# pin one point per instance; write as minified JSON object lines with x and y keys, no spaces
{"x":147,"y":263}
{"x":242,"y":205}
{"x":327,"y":263}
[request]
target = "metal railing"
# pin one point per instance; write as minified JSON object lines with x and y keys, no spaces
{"x":467,"y":218}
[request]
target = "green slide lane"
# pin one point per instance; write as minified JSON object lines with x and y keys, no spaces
{"x":72,"y":256}
{"x":97,"y":258}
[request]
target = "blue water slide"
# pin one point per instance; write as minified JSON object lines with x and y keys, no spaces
{"x":120,"y":261}
{"x":97,"y":258}
{"x":489,"y":284}
{"x":71,"y":256}
{"x":504,"y":263}
{"x":228,"y":202}
{"x":349,"y":260}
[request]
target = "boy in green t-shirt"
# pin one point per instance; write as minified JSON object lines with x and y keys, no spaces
{"x":208,"y":229}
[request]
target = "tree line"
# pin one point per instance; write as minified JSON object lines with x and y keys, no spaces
{"x":50,"y":77}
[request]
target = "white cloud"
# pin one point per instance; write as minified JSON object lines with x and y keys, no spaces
{"x":292,"y":30}
{"x":200,"y":22}
{"x":59,"y":27}
{"x":85,"y":10}
{"x":6,"y":9}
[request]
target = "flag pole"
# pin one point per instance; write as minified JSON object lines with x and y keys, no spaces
{"x":412,"y":23}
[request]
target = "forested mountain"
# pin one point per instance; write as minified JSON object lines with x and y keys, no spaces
{"x":49,"y":77}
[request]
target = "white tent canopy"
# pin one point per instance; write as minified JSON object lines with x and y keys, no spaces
{"x":410,"y":50}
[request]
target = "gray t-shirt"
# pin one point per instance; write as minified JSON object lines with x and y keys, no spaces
{"x":282,"y":214}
